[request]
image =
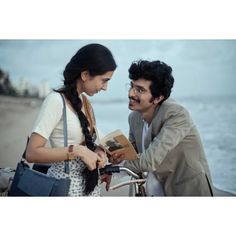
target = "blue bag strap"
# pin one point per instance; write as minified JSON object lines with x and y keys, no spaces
{"x":67,"y":168}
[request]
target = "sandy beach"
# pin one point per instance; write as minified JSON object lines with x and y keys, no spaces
{"x":16,"y":120}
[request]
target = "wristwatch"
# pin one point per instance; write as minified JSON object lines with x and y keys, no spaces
{"x":70,"y":153}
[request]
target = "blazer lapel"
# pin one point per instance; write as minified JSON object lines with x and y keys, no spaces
{"x":139,"y":132}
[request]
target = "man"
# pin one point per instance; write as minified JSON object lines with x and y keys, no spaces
{"x":164,"y":135}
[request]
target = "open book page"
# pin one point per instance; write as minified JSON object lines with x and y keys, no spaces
{"x":117,"y":142}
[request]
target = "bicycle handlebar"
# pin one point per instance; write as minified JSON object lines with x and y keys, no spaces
{"x":109,"y":169}
{"x":137,"y":182}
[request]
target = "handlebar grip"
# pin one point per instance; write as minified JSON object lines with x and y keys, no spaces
{"x":109,"y":169}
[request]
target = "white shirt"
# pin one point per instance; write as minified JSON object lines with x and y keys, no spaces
{"x":49,"y":122}
{"x":153,"y":186}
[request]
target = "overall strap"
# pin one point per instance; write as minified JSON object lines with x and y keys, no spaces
{"x":89,"y":113}
{"x":65,"y":137}
{"x":65,"y":133}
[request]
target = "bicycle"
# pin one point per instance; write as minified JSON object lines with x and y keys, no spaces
{"x":136,"y":183}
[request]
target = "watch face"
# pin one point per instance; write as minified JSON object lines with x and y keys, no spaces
{"x":70,"y":154}
{"x":70,"y":148}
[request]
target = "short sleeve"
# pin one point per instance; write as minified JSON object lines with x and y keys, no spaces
{"x":49,"y":115}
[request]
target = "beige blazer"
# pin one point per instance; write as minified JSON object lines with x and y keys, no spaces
{"x":173,"y":151}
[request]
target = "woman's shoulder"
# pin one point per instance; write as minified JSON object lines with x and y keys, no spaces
{"x":53,"y":97}
{"x":53,"y":100}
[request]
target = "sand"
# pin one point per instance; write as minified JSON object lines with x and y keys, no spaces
{"x":16,"y":119}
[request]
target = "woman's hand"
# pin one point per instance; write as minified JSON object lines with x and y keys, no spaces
{"x":89,"y":157}
{"x":101,"y":153}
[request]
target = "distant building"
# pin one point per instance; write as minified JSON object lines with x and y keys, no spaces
{"x":43,"y":89}
{"x":26,"y":89}
{"x":23,"y":87}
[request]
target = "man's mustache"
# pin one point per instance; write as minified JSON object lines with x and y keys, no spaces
{"x":132,"y":98}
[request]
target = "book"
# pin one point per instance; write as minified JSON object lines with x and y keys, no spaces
{"x":116,"y":142}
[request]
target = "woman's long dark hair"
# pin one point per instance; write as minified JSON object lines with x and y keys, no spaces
{"x":97,"y":60}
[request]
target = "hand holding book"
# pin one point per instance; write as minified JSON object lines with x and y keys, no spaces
{"x":118,"y":146}
{"x":116,"y":158}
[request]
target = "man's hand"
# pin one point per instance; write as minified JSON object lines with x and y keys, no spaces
{"x":107,"y":179}
{"x":116,"y":158}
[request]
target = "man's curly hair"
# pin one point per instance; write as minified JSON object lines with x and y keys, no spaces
{"x":156,"y":71}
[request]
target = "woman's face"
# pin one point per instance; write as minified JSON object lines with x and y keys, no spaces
{"x":94,"y":84}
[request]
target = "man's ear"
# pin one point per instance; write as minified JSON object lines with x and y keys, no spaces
{"x":158,"y":99}
{"x":84,"y":75}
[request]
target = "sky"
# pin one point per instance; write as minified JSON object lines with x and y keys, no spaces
{"x":200,"y":67}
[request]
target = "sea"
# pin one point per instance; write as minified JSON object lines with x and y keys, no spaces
{"x":215,"y":118}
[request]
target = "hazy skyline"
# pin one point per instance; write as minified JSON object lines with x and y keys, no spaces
{"x":200,"y":67}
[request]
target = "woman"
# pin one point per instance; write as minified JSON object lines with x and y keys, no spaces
{"x":88,"y":71}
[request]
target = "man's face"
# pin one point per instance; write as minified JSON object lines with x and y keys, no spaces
{"x":140,"y":97}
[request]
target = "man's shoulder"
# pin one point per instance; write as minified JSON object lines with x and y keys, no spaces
{"x":170,"y":107}
{"x":171,"y":103}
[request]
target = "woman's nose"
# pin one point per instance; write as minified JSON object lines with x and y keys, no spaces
{"x":104,"y":87}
